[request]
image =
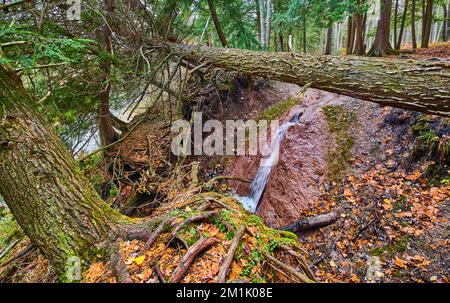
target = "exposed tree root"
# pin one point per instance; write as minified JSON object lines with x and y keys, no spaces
{"x":194,"y":218}
{"x":221,"y":277}
{"x":159,"y":273}
{"x":118,"y":267}
{"x":186,"y":261}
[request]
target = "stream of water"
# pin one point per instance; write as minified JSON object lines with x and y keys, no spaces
{"x":258,"y":185}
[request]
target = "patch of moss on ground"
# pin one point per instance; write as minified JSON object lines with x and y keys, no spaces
{"x":339,"y":159}
{"x":275,"y":111}
{"x":399,"y":245}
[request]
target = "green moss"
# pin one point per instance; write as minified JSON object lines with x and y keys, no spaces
{"x":399,"y":245}
{"x":274,"y":112}
{"x":339,"y":158}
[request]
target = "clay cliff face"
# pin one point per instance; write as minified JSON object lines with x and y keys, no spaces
{"x":293,"y":186}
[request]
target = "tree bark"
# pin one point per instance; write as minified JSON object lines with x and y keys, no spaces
{"x":398,"y":43}
{"x":304,"y":34}
{"x":359,"y":35}
{"x":381,"y":46}
{"x":258,"y":18}
{"x":350,"y":35}
{"x":427,"y":24}
{"x":444,"y":24}
{"x":106,"y":131}
{"x":419,"y":86}
{"x":43,"y":187}
{"x":215,"y":18}
{"x":413,"y":24}
{"x":395,"y":23}
{"x":262,"y":27}
{"x":268,"y":22}
{"x":329,"y":44}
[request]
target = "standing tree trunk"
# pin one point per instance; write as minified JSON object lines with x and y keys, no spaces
{"x":268,"y":22}
{"x":350,"y":35}
{"x":428,"y":19}
{"x":381,"y":46}
{"x":215,"y":18}
{"x":359,"y":28}
{"x":258,"y":18}
{"x":420,"y":86}
{"x":329,"y":44}
{"x":106,"y":131}
{"x":43,"y":187}
{"x":281,"y":41}
{"x":261,"y":25}
{"x":398,"y":43}
{"x":395,"y":23}
{"x":413,"y":24}
{"x":304,"y":34}
{"x":444,"y":24}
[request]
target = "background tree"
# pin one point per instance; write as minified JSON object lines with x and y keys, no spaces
{"x":382,"y":46}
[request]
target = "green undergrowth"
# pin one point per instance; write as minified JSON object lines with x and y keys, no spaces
{"x":9,"y":229}
{"x":434,"y":144}
{"x":339,"y":158}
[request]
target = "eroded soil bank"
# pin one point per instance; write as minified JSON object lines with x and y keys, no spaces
{"x":361,"y":161}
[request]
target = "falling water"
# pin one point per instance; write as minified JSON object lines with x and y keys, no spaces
{"x":258,"y":185}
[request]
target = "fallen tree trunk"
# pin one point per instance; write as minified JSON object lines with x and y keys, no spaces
{"x":311,"y":223}
{"x":407,"y":84}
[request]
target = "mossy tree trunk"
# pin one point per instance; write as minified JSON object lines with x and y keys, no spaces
{"x":419,"y":86}
{"x":42,"y":185}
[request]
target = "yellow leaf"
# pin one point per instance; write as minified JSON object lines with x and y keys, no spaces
{"x":139,"y":260}
{"x":400,"y":263}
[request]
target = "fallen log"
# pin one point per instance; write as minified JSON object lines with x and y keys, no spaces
{"x":311,"y":223}
{"x":408,"y":84}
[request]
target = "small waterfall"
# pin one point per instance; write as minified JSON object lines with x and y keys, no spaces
{"x":258,"y":185}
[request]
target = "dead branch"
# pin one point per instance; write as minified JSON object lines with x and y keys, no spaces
{"x":224,"y":268}
{"x":186,"y":261}
{"x":287,"y":268}
{"x":301,"y":260}
{"x":311,"y":223}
